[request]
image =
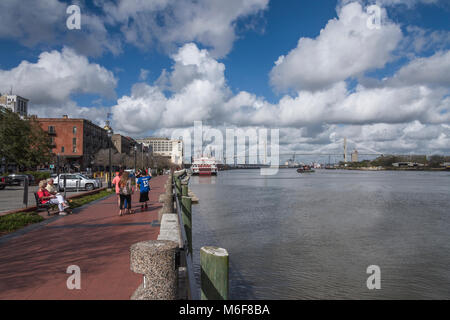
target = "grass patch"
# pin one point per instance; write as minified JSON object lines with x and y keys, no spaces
{"x":14,"y":221}
{"x":78,"y":202}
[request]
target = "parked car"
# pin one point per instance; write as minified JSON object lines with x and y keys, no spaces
{"x":87,"y":174}
{"x":4,"y":181}
{"x":72,"y":179}
{"x":18,"y":179}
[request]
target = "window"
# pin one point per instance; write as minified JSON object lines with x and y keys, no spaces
{"x":62,"y":149}
{"x":74,"y":130}
{"x":74,"y":149}
{"x":51,"y":129}
{"x":74,"y":141}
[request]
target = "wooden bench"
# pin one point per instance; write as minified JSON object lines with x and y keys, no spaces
{"x":43,"y":206}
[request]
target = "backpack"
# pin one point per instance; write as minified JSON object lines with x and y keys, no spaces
{"x":126,"y":190}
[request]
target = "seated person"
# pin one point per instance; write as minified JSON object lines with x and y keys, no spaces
{"x":51,"y":188}
{"x":45,"y":197}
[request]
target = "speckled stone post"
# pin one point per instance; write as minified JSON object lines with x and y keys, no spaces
{"x":155,"y":259}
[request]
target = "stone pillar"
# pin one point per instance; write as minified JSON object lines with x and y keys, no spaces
{"x":155,"y":259}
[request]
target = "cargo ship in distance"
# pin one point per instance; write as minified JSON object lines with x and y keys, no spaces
{"x":204,"y":166}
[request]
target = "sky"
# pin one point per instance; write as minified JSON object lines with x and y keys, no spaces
{"x":376,"y":72}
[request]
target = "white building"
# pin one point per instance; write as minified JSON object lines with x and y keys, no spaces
{"x":355,"y":156}
{"x":15,"y":103}
{"x":165,"y":147}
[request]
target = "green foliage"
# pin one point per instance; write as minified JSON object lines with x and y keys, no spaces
{"x":38,"y":175}
{"x":22,"y":142}
{"x":436,"y":160}
{"x":12,"y":222}
{"x":78,"y":202}
{"x":360,"y":164}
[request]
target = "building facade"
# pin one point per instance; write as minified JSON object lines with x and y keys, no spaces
{"x":15,"y":103}
{"x":76,"y":141}
{"x":355,"y":156}
{"x":122,"y":144}
{"x":172,"y":149}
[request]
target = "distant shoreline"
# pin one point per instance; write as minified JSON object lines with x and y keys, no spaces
{"x":393,"y":169}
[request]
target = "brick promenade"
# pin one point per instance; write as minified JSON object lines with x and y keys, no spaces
{"x":95,"y":238}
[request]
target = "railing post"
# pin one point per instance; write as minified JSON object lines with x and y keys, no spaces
{"x":186,"y":205}
{"x":184,"y":190}
{"x":178,"y":184}
{"x":214,"y":273}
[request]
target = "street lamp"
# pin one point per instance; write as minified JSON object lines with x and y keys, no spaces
{"x":110,"y":133}
{"x":135,"y":149}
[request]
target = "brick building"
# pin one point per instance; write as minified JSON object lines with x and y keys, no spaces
{"x":76,"y":141}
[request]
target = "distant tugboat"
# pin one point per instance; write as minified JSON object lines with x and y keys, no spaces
{"x":305,"y":169}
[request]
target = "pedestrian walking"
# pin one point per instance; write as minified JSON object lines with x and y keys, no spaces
{"x":115,"y":182}
{"x":125,"y":191}
{"x":143,"y":182}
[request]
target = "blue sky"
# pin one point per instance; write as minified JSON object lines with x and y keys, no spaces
{"x":147,"y":64}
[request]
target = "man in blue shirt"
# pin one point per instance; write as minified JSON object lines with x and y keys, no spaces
{"x":144,"y":188}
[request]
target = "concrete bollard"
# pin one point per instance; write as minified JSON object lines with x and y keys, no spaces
{"x":214,"y":273}
{"x":156,"y":261}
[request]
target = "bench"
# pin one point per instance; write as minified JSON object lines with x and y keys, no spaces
{"x":43,"y":206}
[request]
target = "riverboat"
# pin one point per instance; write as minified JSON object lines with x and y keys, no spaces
{"x":204,"y":166}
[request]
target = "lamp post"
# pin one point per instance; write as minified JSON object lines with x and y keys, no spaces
{"x":135,"y":149}
{"x":142,"y":155}
{"x":110,"y":133}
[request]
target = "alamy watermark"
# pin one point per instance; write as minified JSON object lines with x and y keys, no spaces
{"x":262,"y":147}
{"x":374,"y":19}
{"x":374,"y":280}
{"x":74,"y":20}
{"x":74,"y":281}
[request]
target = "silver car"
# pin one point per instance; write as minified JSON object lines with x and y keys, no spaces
{"x":76,"y":181}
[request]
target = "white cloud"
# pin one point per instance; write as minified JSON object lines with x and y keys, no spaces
{"x":407,"y":3}
{"x":419,"y":40}
{"x":143,"y":74}
{"x":199,"y":92}
{"x":31,"y":22}
{"x":175,"y":22}
{"x":345,"y":48}
{"x":56,"y":76}
{"x":44,"y":23}
{"x":430,"y":71}
{"x":198,"y":88}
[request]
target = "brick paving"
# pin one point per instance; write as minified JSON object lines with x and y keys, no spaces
{"x":95,"y":238}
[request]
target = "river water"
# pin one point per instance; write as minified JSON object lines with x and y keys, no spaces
{"x":313,"y":235}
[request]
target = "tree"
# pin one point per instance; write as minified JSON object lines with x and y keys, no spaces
{"x":22,"y":142}
{"x":436,"y":160}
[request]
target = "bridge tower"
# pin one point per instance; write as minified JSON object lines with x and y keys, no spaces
{"x":345,"y":150}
